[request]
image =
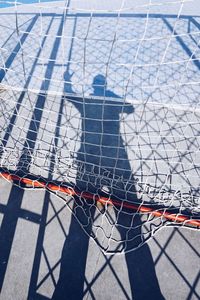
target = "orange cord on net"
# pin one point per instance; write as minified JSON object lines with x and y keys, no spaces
{"x":178,"y":218}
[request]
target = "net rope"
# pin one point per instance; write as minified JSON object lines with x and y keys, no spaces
{"x":99,"y":103}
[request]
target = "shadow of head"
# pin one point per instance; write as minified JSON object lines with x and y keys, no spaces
{"x":99,"y":85}
{"x":120,"y":105}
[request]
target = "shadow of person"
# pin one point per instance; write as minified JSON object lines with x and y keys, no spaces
{"x":104,"y":167}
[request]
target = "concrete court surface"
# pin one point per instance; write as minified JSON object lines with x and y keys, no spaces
{"x":32,"y":238}
{"x":38,"y":258}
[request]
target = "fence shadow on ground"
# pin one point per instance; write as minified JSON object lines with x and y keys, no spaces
{"x":103,"y":151}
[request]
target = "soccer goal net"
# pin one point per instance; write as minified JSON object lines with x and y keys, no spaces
{"x":99,"y":103}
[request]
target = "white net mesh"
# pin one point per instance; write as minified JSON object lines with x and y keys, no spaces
{"x":103,"y":96}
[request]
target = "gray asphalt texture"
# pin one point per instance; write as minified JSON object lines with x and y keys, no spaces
{"x":39,"y":260}
{"x":44,"y":252}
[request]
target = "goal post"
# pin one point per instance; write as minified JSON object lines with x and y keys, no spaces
{"x":99,"y":102}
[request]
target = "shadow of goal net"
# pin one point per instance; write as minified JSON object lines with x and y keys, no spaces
{"x":99,"y":103}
